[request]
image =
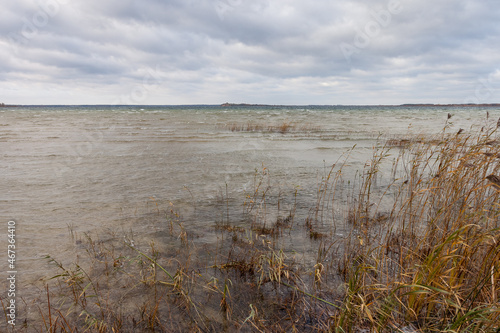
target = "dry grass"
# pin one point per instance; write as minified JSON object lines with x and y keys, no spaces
{"x":421,"y":253}
{"x":283,"y":127}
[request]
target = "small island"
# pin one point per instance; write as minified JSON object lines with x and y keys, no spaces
{"x":245,"y":104}
{"x":3,"y":105}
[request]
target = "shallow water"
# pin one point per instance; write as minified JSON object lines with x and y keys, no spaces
{"x":74,"y":170}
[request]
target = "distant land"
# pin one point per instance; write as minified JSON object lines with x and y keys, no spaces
{"x":401,"y":105}
{"x":455,"y":105}
{"x":3,"y":105}
{"x":245,"y":104}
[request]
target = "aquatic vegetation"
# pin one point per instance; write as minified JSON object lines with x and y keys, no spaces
{"x":412,"y":247}
{"x":282,"y":127}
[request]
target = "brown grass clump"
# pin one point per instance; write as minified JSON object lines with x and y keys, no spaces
{"x":283,"y":127}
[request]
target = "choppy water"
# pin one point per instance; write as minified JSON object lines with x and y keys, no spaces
{"x":88,"y":169}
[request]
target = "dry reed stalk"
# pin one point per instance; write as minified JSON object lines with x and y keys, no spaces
{"x":494,"y":180}
{"x":283,"y":127}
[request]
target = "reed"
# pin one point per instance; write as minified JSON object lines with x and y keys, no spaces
{"x":419,"y":252}
{"x":282,"y":127}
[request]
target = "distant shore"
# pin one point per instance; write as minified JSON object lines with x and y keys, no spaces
{"x":2,"y":105}
{"x":245,"y":104}
{"x":452,"y":105}
{"x":401,"y":105}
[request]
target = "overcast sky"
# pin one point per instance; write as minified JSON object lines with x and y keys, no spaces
{"x":252,"y":51}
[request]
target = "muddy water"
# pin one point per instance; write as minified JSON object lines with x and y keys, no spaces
{"x":67,"y":171}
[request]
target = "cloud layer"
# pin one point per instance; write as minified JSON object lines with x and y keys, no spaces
{"x":279,"y":52}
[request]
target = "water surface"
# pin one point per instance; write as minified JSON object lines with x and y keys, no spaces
{"x":111,"y":170}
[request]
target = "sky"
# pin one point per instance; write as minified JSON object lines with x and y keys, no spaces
{"x":286,"y":52}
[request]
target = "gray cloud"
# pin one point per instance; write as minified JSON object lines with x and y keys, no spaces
{"x":280,"y":52}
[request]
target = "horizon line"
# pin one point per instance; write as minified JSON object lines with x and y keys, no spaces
{"x":271,"y":105}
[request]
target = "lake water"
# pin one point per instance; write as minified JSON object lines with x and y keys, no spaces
{"x":104,"y":170}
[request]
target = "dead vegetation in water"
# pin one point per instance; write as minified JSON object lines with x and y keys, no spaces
{"x":420,"y":253}
{"x":283,"y":127}
{"x":413,"y":140}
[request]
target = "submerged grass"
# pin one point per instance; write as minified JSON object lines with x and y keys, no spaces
{"x":419,"y":252}
{"x":283,"y":127}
